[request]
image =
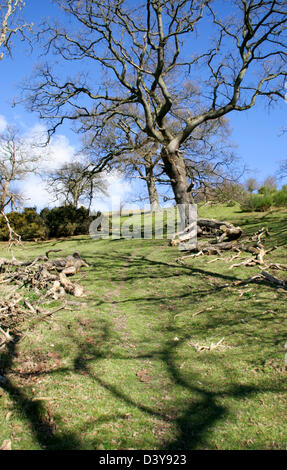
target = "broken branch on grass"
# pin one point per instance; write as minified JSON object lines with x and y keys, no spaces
{"x":204,"y":310}
{"x":37,"y":275}
{"x":274,"y":280}
{"x":7,"y":338}
{"x":202,"y":347}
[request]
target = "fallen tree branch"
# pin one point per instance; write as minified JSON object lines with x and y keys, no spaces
{"x":38,"y":275}
{"x":202,"y":347}
{"x":203,"y":311}
{"x":6,"y":338}
{"x":274,"y":280}
{"x":207,"y":227}
{"x":70,"y":288}
{"x":14,"y":238}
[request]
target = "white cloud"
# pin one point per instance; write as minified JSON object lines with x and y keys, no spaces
{"x":118,"y":190}
{"x":58,"y":152}
{"x":3,"y":123}
{"x":35,"y":193}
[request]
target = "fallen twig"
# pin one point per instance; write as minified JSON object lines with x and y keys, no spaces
{"x":202,"y":347}
{"x":204,"y":310}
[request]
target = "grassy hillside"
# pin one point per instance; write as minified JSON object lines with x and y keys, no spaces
{"x":123,"y":369}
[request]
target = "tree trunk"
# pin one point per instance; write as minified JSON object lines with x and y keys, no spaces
{"x":152,"y":191}
{"x":174,"y":166}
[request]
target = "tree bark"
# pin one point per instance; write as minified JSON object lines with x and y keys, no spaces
{"x":174,"y":166}
{"x":152,"y":191}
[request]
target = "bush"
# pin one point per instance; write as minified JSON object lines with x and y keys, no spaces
{"x":280,"y":198}
{"x":265,"y":199}
{"x":257,"y":203}
{"x":62,"y":221}
{"x":28,"y":224}
{"x":66,"y":221}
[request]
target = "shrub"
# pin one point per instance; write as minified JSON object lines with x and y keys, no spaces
{"x":66,"y":221}
{"x":257,"y":203}
{"x":28,"y":224}
{"x":280,"y":198}
{"x":62,"y":221}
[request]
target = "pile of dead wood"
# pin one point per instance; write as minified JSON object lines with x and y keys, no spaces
{"x":43,"y":273}
{"x":47,"y":278}
{"x":223,"y":231}
{"x":224,"y":237}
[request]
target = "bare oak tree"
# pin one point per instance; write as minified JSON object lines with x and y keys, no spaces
{"x":251,"y":185}
{"x":74,"y":183}
{"x":147,"y":50}
{"x":144,"y":165}
{"x":18,"y":159}
{"x":208,"y":154}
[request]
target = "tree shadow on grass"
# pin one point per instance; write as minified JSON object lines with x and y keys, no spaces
{"x":193,"y":419}
{"x":41,"y":421}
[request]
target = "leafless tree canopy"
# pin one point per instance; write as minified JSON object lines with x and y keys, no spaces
{"x":270,"y":183}
{"x":251,"y":185}
{"x":18,"y":158}
{"x":186,"y":62}
{"x":74,"y":182}
{"x":11,"y":22}
{"x":283,"y":169}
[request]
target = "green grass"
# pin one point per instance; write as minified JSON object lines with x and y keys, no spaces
{"x":120,"y":371}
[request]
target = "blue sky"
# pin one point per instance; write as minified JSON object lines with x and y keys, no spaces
{"x":255,"y":132}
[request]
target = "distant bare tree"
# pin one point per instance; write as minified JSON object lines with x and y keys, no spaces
{"x":18,"y":158}
{"x":251,"y":185}
{"x":270,"y":183}
{"x":74,"y":182}
{"x":144,"y":164}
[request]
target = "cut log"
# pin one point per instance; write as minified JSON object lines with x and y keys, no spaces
{"x":186,"y":235}
{"x":208,"y":227}
{"x":213,"y":223}
{"x":75,"y":261}
{"x":232,"y":233}
{"x":228,"y":230}
{"x":70,"y":288}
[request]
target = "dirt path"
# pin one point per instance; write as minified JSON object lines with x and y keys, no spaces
{"x":119,"y":318}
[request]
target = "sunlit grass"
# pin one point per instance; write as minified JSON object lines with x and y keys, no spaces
{"x":121,"y":370}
